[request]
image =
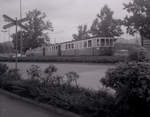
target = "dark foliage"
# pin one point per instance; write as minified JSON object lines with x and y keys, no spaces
{"x":138,"y":17}
{"x":83,"y":33}
{"x":105,"y":25}
{"x":35,"y":35}
{"x":80,"y":59}
{"x":132,"y":85}
{"x":76,"y":99}
{"x":3,"y":69}
{"x":138,"y":54}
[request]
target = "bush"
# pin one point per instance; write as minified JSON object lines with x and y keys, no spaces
{"x":81,"y":59}
{"x":72,"y":77}
{"x":3,"y":69}
{"x":125,"y":46}
{"x":12,"y":75}
{"x":131,"y":82}
{"x":34,"y":72}
{"x":138,"y":54}
{"x":50,"y":70}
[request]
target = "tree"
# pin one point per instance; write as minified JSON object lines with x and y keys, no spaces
{"x":138,"y":19}
{"x":35,"y":35}
{"x":6,"y":47}
{"x":19,"y":33}
{"x":83,"y":33}
{"x":105,"y":25}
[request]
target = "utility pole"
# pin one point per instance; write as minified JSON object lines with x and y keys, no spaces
{"x":9,"y":34}
{"x":16,"y":66}
{"x":15,"y":22}
{"x":21,"y":41}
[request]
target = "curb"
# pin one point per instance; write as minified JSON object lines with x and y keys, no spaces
{"x":62,"y":113}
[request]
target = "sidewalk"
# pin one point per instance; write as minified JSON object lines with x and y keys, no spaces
{"x":10,"y":107}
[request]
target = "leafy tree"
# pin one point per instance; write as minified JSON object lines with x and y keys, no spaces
{"x":6,"y":47}
{"x":105,"y":25}
{"x":83,"y":33}
{"x":19,"y":33}
{"x":35,"y":35}
{"x":138,"y":19}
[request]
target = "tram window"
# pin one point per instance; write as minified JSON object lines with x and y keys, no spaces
{"x":107,"y":42}
{"x":80,"y":45}
{"x":111,"y":42}
{"x":98,"y":42}
{"x":66,"y":46}
{"x":72,"y":45}
{"x":102,"y":42}
{"x":76,"y":45}
{"x":85,"y":44}
{"x":89,"y":43}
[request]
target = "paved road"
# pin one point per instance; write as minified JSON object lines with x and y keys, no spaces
{"x":90,"y":74}
{"x":15,"y":108}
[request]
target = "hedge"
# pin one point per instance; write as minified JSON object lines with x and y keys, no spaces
{"x":84,"y":59}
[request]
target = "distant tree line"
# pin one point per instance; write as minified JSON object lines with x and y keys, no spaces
{"x":105,"y":25}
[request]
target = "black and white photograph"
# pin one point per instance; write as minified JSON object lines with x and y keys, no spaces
{"x":74,"y":58}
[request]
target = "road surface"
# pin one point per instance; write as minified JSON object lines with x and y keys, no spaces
{"x":10,"y":107}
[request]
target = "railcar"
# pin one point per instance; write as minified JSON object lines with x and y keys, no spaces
{"x":88,"y":47}
{"x":53,"y":50}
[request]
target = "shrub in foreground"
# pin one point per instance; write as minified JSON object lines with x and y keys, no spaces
{"x":131,"y":82}
{"x":3,"y":68}
{"x":86,"y":102}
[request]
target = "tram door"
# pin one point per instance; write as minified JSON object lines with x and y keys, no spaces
{"x":43,"y":51}
{"x":59,"y":50}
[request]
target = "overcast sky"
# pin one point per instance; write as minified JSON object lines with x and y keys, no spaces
{"x":65,"y":15}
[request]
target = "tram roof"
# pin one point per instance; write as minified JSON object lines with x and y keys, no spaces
{"x":88,"y":39}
